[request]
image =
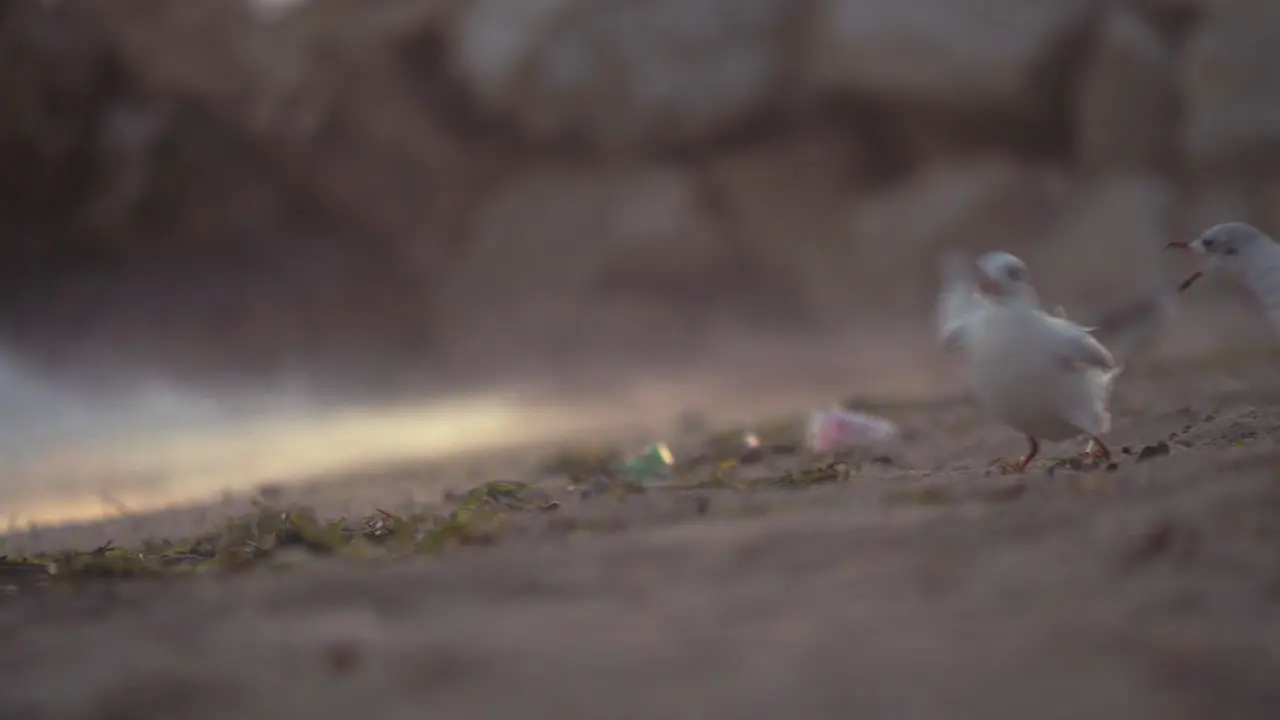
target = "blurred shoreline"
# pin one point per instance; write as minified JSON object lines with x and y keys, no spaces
{"x":150,"y":460}
{"x":185,"y":447}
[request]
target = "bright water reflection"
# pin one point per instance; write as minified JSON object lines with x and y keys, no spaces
{"x":69,"y":457}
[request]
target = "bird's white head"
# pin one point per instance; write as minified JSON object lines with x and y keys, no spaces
{"x":1231,"y":246}
{"x":1004,"y":277}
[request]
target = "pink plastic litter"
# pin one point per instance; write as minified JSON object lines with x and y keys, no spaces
{"x":834,"y":429}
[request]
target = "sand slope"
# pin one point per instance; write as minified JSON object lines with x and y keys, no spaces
{"x":920,"y":589}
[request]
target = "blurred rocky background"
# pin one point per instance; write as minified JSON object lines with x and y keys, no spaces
{"x":212,"y":188}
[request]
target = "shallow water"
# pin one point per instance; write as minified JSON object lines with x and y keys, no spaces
{"x":70,"y":457}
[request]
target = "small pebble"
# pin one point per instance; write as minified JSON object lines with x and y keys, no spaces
{"x":702,"y":504}
{"x":270,"y":492}
{"x":1160,"y":449}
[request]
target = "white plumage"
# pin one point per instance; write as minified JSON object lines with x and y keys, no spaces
{"x":1246,"y":255}
{"x":1042,"y":375}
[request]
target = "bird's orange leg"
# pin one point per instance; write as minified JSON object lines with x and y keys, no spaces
{"x":1033,"y":451}
{"x":1097,"y":450}
{"x":1007,"y":467}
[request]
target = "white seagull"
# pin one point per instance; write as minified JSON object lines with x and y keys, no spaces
{"x":1246,"y":255}
{"x":1040,"y":374}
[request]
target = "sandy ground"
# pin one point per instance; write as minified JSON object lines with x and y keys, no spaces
{"x":922,"y":588}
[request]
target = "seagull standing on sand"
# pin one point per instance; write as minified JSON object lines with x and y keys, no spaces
{"x":1247,"y":255}
{"x":1042,"y":375}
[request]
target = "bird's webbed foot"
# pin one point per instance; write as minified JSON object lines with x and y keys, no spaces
{"x":1008,"y":466}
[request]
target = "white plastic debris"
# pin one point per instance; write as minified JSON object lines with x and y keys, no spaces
{"x":833,"y":429}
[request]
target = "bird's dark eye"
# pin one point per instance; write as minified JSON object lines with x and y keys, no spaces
{"x":1208,"y":243}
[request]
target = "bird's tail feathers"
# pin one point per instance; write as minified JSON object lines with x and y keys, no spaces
{"x":1101,"y":383}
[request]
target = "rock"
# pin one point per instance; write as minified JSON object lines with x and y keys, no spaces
{"x":1108,"y":249}
{"x":267,"y":11}
{"x":317,"y":93}
{"x":1148,"y":452}
{"x":126,"y":140}
{"x":971,"y":55}
{"x":623,"y":73}
{"x":231,"y":65}
{"x":1231,"y":91}
{"x":579,"y":255}
{"x":1125,"y":97}
{"x":492,"y":42}
{"x":897,"y":234}
{"x":57,"y":80}
{"x":1159,"y":7}
{"x":1210,"y":202}
{"x":1176,"y":15}
{"x":275,"y":78}
{"x":557,"y":173}
{"x":1267,"y":215}
{"x":798,"y":227}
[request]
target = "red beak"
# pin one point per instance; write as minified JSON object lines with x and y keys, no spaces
{"x":1190,"y":279}
{"x":987,"y":285}
{"x":1193,"y":276}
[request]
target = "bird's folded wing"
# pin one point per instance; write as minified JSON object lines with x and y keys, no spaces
{"x":1075,"y":346}
{"x":959,"y":304}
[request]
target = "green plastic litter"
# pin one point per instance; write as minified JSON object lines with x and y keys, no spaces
{"x":652,"y":463}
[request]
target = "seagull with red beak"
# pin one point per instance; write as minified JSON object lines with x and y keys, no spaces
{"x":1040,"y":374}
{"x":1246,"y":255}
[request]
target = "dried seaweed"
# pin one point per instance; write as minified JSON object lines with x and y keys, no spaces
{"x":245,"y":541}
{"x":277,"y":537}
